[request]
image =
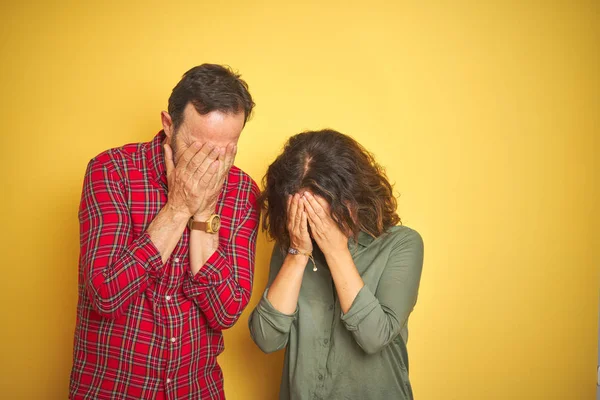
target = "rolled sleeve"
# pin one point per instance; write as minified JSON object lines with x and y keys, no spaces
{"x":145,"y":253}
{"x":270,"y":328}
{"x":364,"y":303}
{"x":116,"y":265}
{"x":214,"y":272}
{"x":278,"y":320}
{"x":222,"y":286}
{"x":375,"y":319}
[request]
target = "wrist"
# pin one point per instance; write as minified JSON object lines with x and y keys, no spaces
{"x":202,"y":216}
{"x":336,"y":253}
{"x":176,"y":213}
{"x":298,"y":259}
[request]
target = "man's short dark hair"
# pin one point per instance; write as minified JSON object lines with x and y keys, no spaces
{"x":210,"y":87}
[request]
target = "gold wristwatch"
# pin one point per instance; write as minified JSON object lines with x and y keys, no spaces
{"x":211,"y":226}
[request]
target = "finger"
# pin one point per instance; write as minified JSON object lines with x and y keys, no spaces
{"x":220,"y":176}
{"x":323,"y":203}
{"x":313,"y":228}
{"x":210,"y":174}
{"x":169,"y":159}
{"x":215,"y":184}
{"x":202,"y":161}
{"x":207,"y":150}
{"x":184,"y":158}
{"x":299,"y":212}
{"x":304,"y":222}
{"x":315,"y":205}
{"x":293,"y":211}
{"x":312,"y":215}
{"x":229,"y":156}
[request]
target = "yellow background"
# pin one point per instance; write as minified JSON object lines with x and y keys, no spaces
{"x":486,"y":115}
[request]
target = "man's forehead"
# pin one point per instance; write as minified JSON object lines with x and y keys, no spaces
{"x":213,"y":126}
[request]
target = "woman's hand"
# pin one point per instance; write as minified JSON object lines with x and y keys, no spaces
{"x":325,"y":231}
{"x":297,"y":224}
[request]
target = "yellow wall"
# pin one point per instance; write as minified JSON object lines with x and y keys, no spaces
{"x":485,"y":113}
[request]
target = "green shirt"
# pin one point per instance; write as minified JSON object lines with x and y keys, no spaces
{"x":360,"y":355}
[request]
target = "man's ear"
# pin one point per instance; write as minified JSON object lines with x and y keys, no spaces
{"x":167,"y":124}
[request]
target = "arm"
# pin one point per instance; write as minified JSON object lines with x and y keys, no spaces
{"x":202,"y":244}
{"x":375,"y":319}
{"x":334,"y":244}
{"x":222,"y":286}
{"x":269,"y":327}
{"x":271,"y":320}
{"x":117,"y":266}
{"x":285,"y":289}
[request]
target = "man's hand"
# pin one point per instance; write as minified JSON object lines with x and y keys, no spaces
{"x":212,"y":189}
{"x":197,"y":169}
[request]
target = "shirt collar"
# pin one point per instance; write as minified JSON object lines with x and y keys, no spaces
{"x":364,"y":239}
{"x":155,"y":159}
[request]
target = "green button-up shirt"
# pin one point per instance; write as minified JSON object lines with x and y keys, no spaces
{"x":360,"y":355}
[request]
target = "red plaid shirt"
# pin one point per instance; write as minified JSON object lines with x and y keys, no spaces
{"x":147,"y":330}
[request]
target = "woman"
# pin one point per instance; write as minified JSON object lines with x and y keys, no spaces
{"x":343,"y":278}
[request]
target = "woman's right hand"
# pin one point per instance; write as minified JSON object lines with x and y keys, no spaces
{"x":297,"y":224}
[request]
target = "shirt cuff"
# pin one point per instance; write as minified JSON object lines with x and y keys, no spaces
{"x":145,"y":253}
{"x":215,"y":271}
{"x":278,"y":320}
{"x":364,"y":303}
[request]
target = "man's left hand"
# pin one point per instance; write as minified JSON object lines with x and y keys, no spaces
{"x":226,"y":158}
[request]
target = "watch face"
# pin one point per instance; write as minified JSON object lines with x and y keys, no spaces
{"x":215,"y":223}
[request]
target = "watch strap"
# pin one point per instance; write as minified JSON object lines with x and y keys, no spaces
{"x":198,"y":225}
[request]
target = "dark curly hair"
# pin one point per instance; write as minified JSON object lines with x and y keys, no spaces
{"x":337,"y":168}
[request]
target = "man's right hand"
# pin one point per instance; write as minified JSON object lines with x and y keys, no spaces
{"x":197,"y":168}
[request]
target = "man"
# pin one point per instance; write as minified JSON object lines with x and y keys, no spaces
{"x":168,"y":233}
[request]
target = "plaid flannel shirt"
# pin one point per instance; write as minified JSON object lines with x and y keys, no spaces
{"x":147,"y":330}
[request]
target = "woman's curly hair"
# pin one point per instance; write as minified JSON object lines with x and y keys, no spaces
{"x":337,"y":168}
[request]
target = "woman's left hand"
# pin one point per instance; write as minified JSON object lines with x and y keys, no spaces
{"x":325,"y":231}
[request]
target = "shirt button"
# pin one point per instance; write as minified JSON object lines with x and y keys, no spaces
{"x":168,"y":380}
{"x":326,"y":341}
{"x":176,"y":259}
{"x":320,"y":377}
{"x":167,"y":297}
{"x":331,"y":307}
{"x":173,"y":340}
